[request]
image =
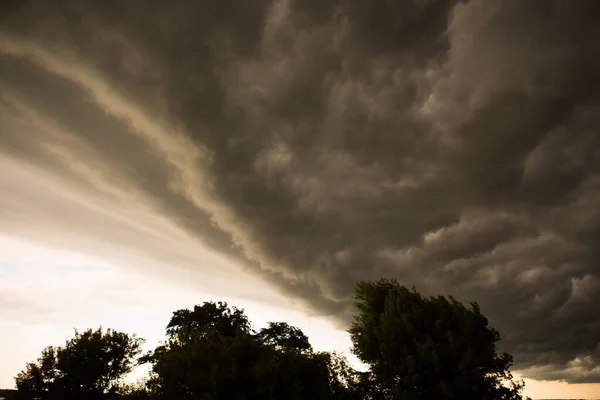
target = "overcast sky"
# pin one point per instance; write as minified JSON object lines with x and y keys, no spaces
{"x":155,"y":154}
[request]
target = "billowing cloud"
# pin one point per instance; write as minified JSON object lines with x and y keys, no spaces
{"x":450,"y":144}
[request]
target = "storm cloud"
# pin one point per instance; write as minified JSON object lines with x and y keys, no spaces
{"x":452,"y":145}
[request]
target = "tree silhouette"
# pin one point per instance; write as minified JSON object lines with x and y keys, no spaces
{"x":88,"y":366}
{"x":211,"y":352}
{"x":284,"y":336}
{"x":428,"y":347}
{"x":417,"y":347}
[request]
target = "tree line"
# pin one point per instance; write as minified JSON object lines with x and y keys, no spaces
{"x":416,"y":347}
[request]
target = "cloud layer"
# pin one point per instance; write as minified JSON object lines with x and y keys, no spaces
{"x":452,"y":145}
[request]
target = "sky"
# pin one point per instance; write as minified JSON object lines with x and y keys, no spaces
{"x":154,"y":155}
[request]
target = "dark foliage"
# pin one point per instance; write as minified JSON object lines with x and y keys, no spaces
{"x":88,"y":366}
{"x":8,"y":394}
{"x":417,"y":347}
{"x":428,"y":347}
{"x":212,"y":353}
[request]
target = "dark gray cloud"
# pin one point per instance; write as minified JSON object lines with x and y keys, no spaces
{"x":452,"y":145}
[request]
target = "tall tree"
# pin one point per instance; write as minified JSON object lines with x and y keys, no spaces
{"x":90,"y":366}
{"x":211,"y":352}
{"x":428,"y":347}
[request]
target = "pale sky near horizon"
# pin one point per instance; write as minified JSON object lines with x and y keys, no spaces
{"x":52,"y":292}
{"x":274,"y":152}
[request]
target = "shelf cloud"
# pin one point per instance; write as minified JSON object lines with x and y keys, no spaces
{"x":452,"y":145}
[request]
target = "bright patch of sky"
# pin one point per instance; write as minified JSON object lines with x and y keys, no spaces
{"x":45,"y":293}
